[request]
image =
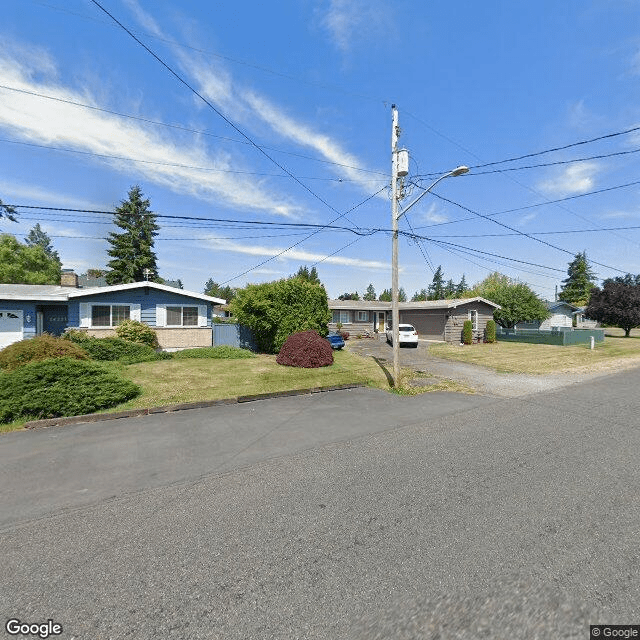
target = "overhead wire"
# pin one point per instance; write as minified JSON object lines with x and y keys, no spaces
{"x":186,"y":129}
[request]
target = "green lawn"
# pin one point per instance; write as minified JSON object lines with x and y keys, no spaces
{"x":175,"y":381}
{"x":520,"y":357}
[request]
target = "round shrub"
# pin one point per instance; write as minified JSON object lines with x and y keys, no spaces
{"x":61,"y":387}
{"x":39,"y":348}
{"x":139,"y":332}
{"x":305,"y":349}
{"x":491,"y":331}
{"x":467,"y":332}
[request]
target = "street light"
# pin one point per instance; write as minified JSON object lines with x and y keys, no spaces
{"x":395,"y":216}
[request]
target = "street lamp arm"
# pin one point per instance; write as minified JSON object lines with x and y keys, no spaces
{"x":458,"y":171}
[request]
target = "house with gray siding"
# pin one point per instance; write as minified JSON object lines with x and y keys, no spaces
{"x":433,"y":319}
{"x":180,"y":318}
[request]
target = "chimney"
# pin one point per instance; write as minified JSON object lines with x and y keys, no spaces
{"x":69,"y":278}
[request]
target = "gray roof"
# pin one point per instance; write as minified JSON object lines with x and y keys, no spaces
{"x":51,"y":292}
{"x":57,"y":293}
{"x":377,"y":305}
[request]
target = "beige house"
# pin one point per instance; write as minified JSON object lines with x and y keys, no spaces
{"x":434,"y":319}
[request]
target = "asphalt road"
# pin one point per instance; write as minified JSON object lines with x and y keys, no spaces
{"x":463,"y":517}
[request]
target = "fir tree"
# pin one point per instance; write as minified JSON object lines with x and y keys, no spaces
{"x":436,"y":288}
{"x":370,"y":293}
{"x":385,"y":296}
{"x":213,"y":289}
{"x":420,"y":296}
{"x":461,"y":287}
{"x":449,"y":289}
{"x":577,"y":287}
{"x":402,"y":295}
{"x":7,"y":212}
{"x":38,"y":238}
{"x":132,"y":250}
{"x":308,"y":275}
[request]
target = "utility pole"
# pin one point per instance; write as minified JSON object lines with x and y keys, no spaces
{"x":395,"y":313}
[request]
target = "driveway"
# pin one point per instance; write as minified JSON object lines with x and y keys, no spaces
{"x":481,"y":379}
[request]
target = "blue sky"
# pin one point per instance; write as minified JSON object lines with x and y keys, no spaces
{"x":311,"y":83}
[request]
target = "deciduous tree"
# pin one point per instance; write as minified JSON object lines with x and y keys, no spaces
{"x":617,"y":303}
{"x":132,"y":250}
{"x":517,"y":301}
{"x":276,"y":310}
{"x":22,"y":264}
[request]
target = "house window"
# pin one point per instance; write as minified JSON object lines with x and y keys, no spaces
{"x":363,"y":316}
{"x":340,"y":316}
{"x":182,"y":316}
{"x":473,"y":316}
{"x":109,"y":315}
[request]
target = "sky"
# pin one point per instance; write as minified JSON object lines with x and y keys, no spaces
{"x":261,"y":134}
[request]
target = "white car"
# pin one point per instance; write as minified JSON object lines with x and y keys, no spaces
{"x":407,"y":334}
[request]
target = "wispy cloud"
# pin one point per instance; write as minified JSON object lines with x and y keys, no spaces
{"x":576,"y":178}
{"x":294,"y":254}
{"x":216,"y":84}
{"x":352,"y":21}
{"x":433,"y":214}
{"x":33,"y":119}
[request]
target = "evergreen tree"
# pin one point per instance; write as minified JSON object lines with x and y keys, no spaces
{"x":436,"y":288}
{"x":461,"y":287}
{"x":577,"y":287}
{"x":402,"y":295}
{"x":420,"y":296}
{"x":7,"y":212}
{"x":449,"y":289}
{"x":370,"y":293}
{"x":132,"y":250}
{"x":385,"y":296}
{"x":38,"y":238}
{"x":308,"y":275}
{"x":213,"y":289}
{"x":349,"y":296}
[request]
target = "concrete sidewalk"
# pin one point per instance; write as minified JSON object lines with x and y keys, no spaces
{"x":45,"y":470}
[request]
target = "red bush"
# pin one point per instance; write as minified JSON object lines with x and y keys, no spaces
{"x":305,"y":349}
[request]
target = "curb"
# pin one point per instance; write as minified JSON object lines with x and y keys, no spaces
{"x":170,"y":408}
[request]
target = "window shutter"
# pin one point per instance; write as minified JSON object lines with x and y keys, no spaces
{"x":135,"y":312}
{"x":202,"y":315}
{"x":161,"y":315}
{"x":85,"y":310}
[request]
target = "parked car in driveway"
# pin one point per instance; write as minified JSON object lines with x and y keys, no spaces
{"x":407,"y":334}
{"x":335,"y":340}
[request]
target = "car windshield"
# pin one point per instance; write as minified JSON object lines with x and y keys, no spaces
{"x":405,"y":327}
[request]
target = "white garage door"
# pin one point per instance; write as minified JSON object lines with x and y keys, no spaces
{"x":10,"y":326}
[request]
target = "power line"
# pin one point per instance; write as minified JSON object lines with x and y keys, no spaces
{"x":218,"y":112}
{"x":522,"y":233}
{"x":169,"y":164}
{"x":186,"y":129}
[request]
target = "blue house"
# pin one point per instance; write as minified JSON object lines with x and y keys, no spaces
{"x":181,"y":318}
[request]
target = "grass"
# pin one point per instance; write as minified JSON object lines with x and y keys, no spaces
{"x":177,"y":381}
{"x":519,"y":357}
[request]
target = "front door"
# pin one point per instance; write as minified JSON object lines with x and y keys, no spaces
{"x":55,"y":319}
{"x":381,"y":327}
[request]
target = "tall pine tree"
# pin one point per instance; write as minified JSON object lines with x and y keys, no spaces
{"x":132,"y":250}
{"x":437,"y":286}
{"x":577,"y":287}
{"x":38,"y":237}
